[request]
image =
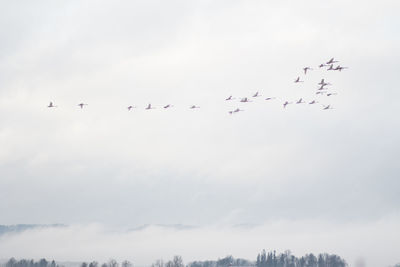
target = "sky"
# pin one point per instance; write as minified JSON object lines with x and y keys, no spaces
{"x":102,"y":168}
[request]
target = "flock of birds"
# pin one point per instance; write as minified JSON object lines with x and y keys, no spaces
{"x":321,"y":90}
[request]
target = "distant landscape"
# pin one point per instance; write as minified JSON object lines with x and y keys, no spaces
{"x":270,"y":259}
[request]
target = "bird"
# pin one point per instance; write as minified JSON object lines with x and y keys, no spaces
{"x":340,"y":68}
{"x":194,"y":106}
{"x":270,"y":98}
{"x":229,"y":98}
{"x":298,"y":80}
{"x":329,"y":94}
{"x":286,"y":103}
{"x":331,"y":61}
{"x":327,"y":107}
{"x":331,"y":67}
{"x":82,"y":104}
{"x":313,"y":102}
{"x":322,"y":82}
{"x":168,"y":106}
{"x":300,"y":101}
{"x":131,"y":107}
{"x":256,"y":95}
{"x":322,"y":87}
{"x":149,"y":107}
{"x":238,"y":110}
{"x":321,"y":65}
{"x":306,"y":69}
{"x":51,"y":105}
{"x":320,"y":92}
{"x":244,"y":100}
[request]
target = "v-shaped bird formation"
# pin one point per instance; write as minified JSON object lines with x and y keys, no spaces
{"x":323,"y":89}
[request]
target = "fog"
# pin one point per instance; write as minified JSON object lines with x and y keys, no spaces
{"x":376,"y":243}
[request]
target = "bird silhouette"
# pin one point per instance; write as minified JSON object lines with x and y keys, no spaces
{"x":149,"y":107}
{"x":286,"y":103}
{"x":51,"y":105}
{"x":244,"y":100}
{"x":340,"y":68}
{"x":306,"y":69}
{"x":322,"y":87}
{"x":82,"y":105}
{"x":298,"y":80}
{"x":331,"y":61}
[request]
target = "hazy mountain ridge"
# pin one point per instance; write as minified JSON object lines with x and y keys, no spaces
{"x":168,"y":226}
{"x":17,"y":228}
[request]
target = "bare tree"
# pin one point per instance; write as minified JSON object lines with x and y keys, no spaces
{"x":112,"y":263}
{"x":178,"y":261}
{"x":126,"y":264}
{"x":158,"y":263}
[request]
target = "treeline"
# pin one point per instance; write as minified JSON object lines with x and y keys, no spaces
{"x":224,"y":262}
{"x":288,"y":260}
{"x":270,"y":259}
{"x":110,"y":263}
{"x":30,"y":263}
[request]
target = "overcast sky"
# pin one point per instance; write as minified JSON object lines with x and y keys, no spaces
{"x":335,"y":168}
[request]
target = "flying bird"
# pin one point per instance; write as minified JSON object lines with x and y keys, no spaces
{"x":51,"y":105}
{"x":331,"y":61}
{"x":286,"y":103}
{"x":131,"y":107}
{"x":329,"y":94}
{"x":168,"y":106}
{"x":256,"y":95}
{"x":313,"y":102}
{"x":327,"y":107}
{"x":300,"y":101}
{"x":340,"y":68}
{"x":244,"y":100}
{"x":270,"y":98}
{"x":229,"y":98}
{"x":322,"y":87}
{"x":298,"y":80}
{"x":321,"y":65}
{"x":149,"y":107}
{"x":194,"y":106}
{"x":331,"y":67}
{"x":306,"y":69}
{"x":238,"y":110}
{"x":322,"y":82}
{"x":82,"y":104}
